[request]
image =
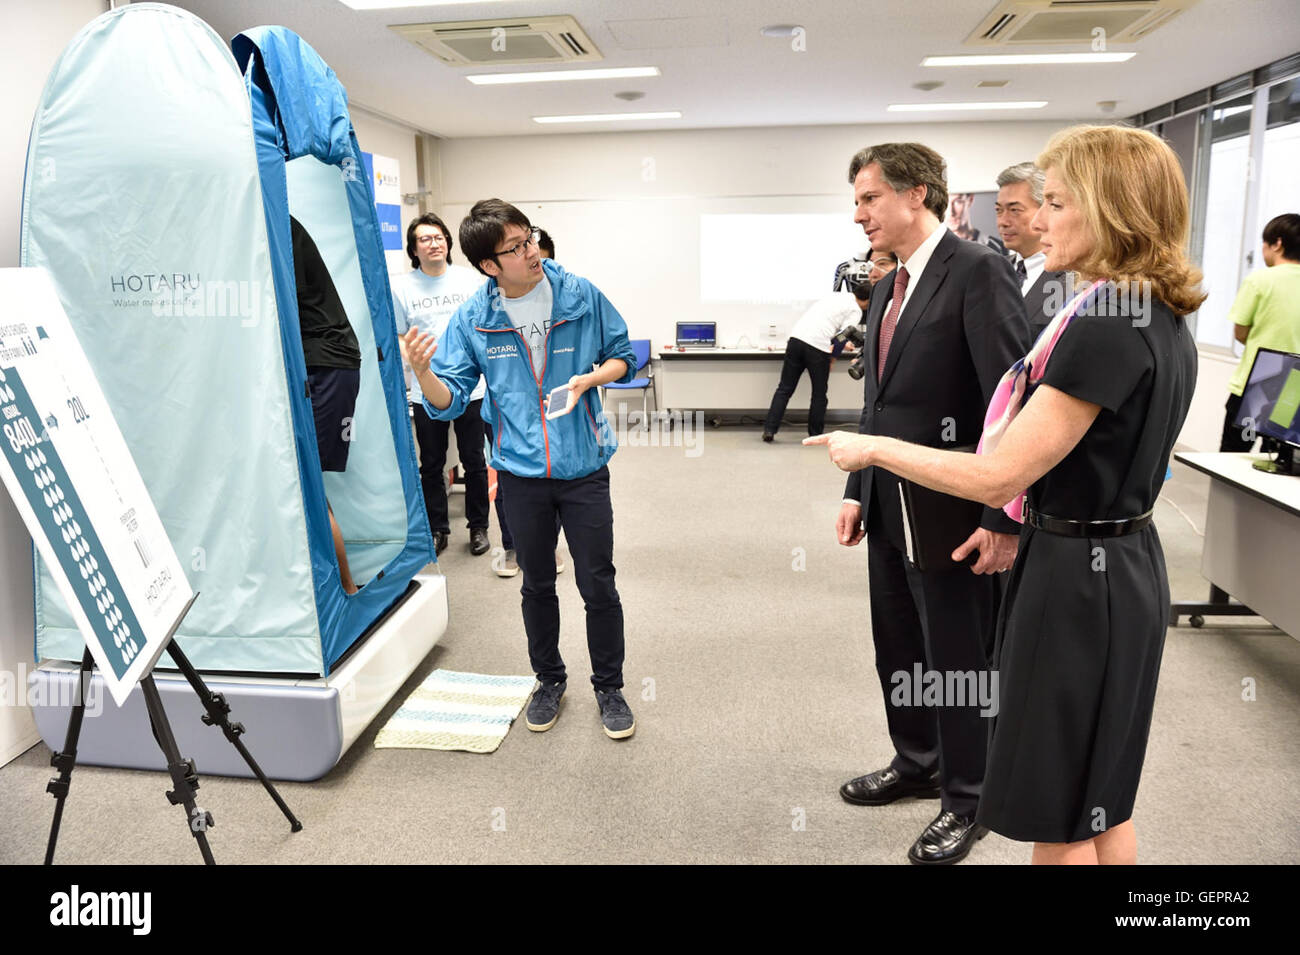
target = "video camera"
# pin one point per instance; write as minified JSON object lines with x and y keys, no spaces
{"x":854,"y":336}
{"x":854,"y":276}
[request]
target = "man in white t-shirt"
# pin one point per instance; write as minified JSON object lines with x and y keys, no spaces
{"x":810,"y":349}
{"x":427,"y":297}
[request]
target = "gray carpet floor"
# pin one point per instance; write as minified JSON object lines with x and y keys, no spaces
{"x":750,"y":670}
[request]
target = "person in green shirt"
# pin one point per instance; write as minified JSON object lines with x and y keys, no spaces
{"x":1265,"y":314}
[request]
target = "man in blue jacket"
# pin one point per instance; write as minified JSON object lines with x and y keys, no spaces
{"x":531,"y":329}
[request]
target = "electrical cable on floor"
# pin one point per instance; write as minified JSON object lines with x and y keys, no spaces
{"x":1190,"y":523}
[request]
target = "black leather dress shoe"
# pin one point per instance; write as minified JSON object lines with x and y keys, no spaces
{"x":478,"y":541}
{"x":439,"y":541}
{"x":886,"y":785}
{"x":948,"y":839}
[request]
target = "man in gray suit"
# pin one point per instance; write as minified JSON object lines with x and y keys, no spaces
{"x":1020,"y":193}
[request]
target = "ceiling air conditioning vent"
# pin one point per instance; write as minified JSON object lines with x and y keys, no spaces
{"x":999,"y":25}
{"x":1154,"y":23}
{"x":1043,"y":22}
{"x":503,"y":42}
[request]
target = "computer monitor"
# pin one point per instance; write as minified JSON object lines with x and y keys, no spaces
{"x":697,"y":334}
{"x":1270,"y":405}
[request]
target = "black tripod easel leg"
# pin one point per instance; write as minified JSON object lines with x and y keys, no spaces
{"x":184,"y":776}
{"x":218,"y":714}
{"x":66,"y":759}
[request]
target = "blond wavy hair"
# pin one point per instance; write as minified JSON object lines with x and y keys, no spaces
{"x":1130,"y":189}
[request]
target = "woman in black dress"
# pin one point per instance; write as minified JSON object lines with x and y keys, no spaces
{"x":1087,"y":604}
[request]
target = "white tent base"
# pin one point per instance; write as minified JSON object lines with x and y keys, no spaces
{"x":295,"y":729}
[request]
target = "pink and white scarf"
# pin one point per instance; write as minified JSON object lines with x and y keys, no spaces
{"x":1019,"y":379}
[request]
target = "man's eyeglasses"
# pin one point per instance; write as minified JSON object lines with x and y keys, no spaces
{"x":435,"y":239}
{"x":518,"y":249}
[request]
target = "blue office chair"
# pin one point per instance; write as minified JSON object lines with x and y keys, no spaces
{"x":641,"y":349}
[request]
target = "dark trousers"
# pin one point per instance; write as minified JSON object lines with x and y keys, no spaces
{"x":432,"y":436}
{"x":800,"y":357}
{"x":1232,"y":439}
{"x":584,"y":509}
{"x":941,"y":620}
{"x":507,"y":540}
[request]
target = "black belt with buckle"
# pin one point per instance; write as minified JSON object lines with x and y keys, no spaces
{"x":1065,"y":528}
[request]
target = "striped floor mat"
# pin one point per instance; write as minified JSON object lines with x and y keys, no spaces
{"x":451,"y":710}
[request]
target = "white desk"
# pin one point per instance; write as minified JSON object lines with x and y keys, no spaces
{"x":743,"y":379}
{"x":1252,"y":536}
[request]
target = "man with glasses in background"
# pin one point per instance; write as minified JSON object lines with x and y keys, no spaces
{"x":1020,"y":195}
{"x":426,"y":298}
{"x":545,"y":340}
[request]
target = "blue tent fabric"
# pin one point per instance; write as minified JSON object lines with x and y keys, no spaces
{"x":156,"y":196}
{"x":300,"y":109}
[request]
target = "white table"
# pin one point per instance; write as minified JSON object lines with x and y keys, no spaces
{"x":743,"y":379}
{"x":1252,"y":540}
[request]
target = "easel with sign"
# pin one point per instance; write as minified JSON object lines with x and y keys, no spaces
{"x":82,"y":499}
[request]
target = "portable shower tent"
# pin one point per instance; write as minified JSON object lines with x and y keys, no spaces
{"x":160,"y":204}
{"x":310,"y":164}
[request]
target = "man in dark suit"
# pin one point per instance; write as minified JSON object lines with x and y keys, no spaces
{"x":942,"y":328}
{"x":1020,"y":194}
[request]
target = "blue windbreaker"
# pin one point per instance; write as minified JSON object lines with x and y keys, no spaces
{"x":586,"y":330}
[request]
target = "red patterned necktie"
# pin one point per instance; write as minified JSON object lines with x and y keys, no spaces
{"x":891,"y":319}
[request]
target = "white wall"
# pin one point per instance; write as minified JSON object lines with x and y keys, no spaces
{"x":38,"y":33}
{"x":378,"y":135}
{"x":17,"y":653}
{"x":1204,"y":424}
{"x":624,"y":208}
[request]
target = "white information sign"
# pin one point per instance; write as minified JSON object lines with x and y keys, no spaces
{"x":73,"y":481}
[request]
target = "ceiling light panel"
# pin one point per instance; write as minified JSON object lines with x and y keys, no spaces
{"x":557,"y":76}
{"x":608,"y":117}
{"x":1027,"y":59}
{"x":943,"y":107}
{"x":395,"y":4}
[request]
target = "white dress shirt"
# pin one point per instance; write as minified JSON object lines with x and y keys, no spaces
{"x":1033,"y":269}
{"x":917,"y":263}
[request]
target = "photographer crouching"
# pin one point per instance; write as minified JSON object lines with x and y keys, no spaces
{"x":830,"y":326}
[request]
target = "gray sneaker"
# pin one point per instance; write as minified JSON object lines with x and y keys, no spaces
{"x":615,"y":714}
{"x":544,"y":707}
{"x":504,"y":563}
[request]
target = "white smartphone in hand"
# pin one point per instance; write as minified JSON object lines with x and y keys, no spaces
{"x":558,"y":402}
